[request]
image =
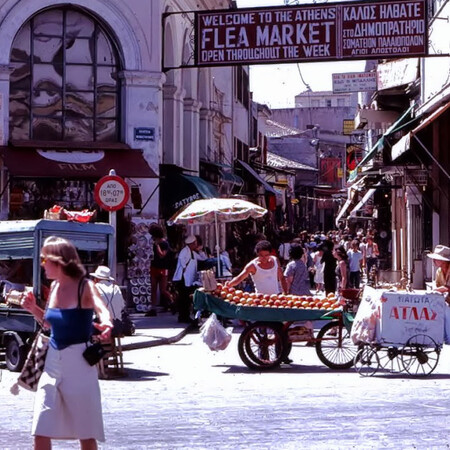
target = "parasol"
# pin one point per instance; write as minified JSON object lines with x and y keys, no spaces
{"x":217,"y":210}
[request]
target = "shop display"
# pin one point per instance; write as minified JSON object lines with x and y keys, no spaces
{"x":140,"y":254}
{"x":238,"y":297}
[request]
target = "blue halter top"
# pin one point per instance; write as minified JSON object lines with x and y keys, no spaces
{"x":70,"y":326}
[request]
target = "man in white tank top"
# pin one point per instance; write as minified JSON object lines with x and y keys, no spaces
{"x":265,"y":271}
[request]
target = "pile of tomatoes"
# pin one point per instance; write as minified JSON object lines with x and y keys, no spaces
{"x":238,"y":297}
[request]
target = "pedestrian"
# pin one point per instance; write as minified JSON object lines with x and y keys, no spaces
{"x":371,"y":254}
{"x":355,"y":260}
{"x":159,"y":270}
{"x":205,"y":259}
{"x":342,"y":268}
{"x":318,"y":269}
{"x":111,"y":295}
{"x":185,"y":277}
{"x":441,"y":259}
{"x":225,"y":265}
{"x":265,"y":271}
{"x":283,"y":251}
{"x":67,"y":402}
{"x":296,"y":272}
{"x":329,"y":267}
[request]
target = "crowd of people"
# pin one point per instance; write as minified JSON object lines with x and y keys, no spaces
{"x":302,"y":264}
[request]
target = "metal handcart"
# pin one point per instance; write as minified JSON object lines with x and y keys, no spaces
{"x":267,"y":338}
{"x":408,"y":337}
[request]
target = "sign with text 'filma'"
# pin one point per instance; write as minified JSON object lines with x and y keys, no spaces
{"x":325,"y":32}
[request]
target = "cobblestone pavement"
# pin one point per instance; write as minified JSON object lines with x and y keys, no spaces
{"x":183,"y":396}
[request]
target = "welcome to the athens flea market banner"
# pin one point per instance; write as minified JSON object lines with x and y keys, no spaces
{"x":337,"y":31}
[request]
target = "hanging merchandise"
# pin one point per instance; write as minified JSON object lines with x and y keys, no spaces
{"x":140,"y":254}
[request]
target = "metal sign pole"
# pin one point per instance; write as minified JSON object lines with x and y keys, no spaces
{"x":113,"y":223}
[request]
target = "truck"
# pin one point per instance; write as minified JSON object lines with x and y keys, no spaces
{"x":20,"y":270}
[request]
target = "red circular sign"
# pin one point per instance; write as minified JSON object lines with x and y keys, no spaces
{"x":111,"y":193}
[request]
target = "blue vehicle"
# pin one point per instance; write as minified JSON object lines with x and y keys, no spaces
{"x":20,"y":269}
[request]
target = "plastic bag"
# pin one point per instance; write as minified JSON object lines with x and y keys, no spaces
{"x":214,"y":335}
{"x":364,"y":328}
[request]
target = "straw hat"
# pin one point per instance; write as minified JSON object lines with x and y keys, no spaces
{"x":441,"y":252}
{"x":102,"y":273}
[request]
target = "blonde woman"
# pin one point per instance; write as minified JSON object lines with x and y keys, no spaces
{"x":67,"y":403}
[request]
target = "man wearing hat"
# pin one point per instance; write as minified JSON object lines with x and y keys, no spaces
{"x":112,"y":296}
{"x":441,"y":259}
{"x":185,"y":276}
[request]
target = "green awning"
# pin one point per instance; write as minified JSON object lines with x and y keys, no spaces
{"x":259,"y":179}
{"x":178,"y":190}
{"x":401,"y":123}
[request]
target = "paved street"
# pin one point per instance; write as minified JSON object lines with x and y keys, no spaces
{"x":183,"y":396}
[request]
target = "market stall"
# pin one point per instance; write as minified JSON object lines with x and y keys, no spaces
{"x":274,"y":322}
{"x":399,"y":331}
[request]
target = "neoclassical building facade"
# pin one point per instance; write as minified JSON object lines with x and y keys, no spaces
{"x":86,"y":87}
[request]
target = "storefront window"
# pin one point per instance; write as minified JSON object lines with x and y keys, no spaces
{"x":64,"y":80}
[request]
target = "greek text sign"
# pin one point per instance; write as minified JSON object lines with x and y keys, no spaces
{"x":354,"y":82}
{"x":404,"y":315}
{"x":111,"y":193}
{"x":335,"y":31}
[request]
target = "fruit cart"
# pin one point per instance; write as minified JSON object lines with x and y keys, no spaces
{"x":272,"y":325}
{"x":399,"y":331}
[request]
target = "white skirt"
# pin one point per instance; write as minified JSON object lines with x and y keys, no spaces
{"x":68,"y":402}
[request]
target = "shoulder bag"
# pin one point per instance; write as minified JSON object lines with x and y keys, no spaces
{"x":94,"y":352}
{"x":34,"y":364}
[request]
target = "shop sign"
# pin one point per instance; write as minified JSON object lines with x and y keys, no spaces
{"x":406,"y":315}
{"x":111,"y":193}
{"x":354,"y":82}
{"x":397,"y":73}
{"x":184,"y":201}
{"x":338,"y":31}
{"x":348,"y":126}
{"x":144,"y":134}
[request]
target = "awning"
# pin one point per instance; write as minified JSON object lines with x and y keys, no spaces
{"x":232,"y":178}
{"x":362,"y":202}
{"x":257,"y":177}
{"x":431,"y":118}
{"x":343,"y":210}
{"x":404,"y":144}
{"x":225,"y":172}
{"x":396,"y":126}
{"x":401,"y":146}
{"x":74,"y":163}
{"x":177,"y":190}
{"x":351,"y":191}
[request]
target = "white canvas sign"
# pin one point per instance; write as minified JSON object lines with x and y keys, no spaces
{"x":404,"y":315}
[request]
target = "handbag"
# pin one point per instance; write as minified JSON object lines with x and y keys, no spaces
{"x":94,"y":353}
{"x":34,"y":364}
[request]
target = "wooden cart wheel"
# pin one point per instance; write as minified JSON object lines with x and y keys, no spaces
{"x":390,"y":359}
{"x":420,"y":355}
{"x":262,"y":346}
{"x":366,"y":361}
{"x":334,"y":346}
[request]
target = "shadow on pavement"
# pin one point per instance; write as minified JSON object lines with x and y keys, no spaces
{"x":139,"y":375}
{"x":287,"y":369}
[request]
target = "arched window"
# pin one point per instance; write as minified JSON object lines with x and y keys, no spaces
{"x":64,"y":81}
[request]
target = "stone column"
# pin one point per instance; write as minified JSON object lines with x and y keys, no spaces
{"x":5,"y":73}
{"x":205,"y":132}
{"x":173,"y":125}
{"x":191,"y":123}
